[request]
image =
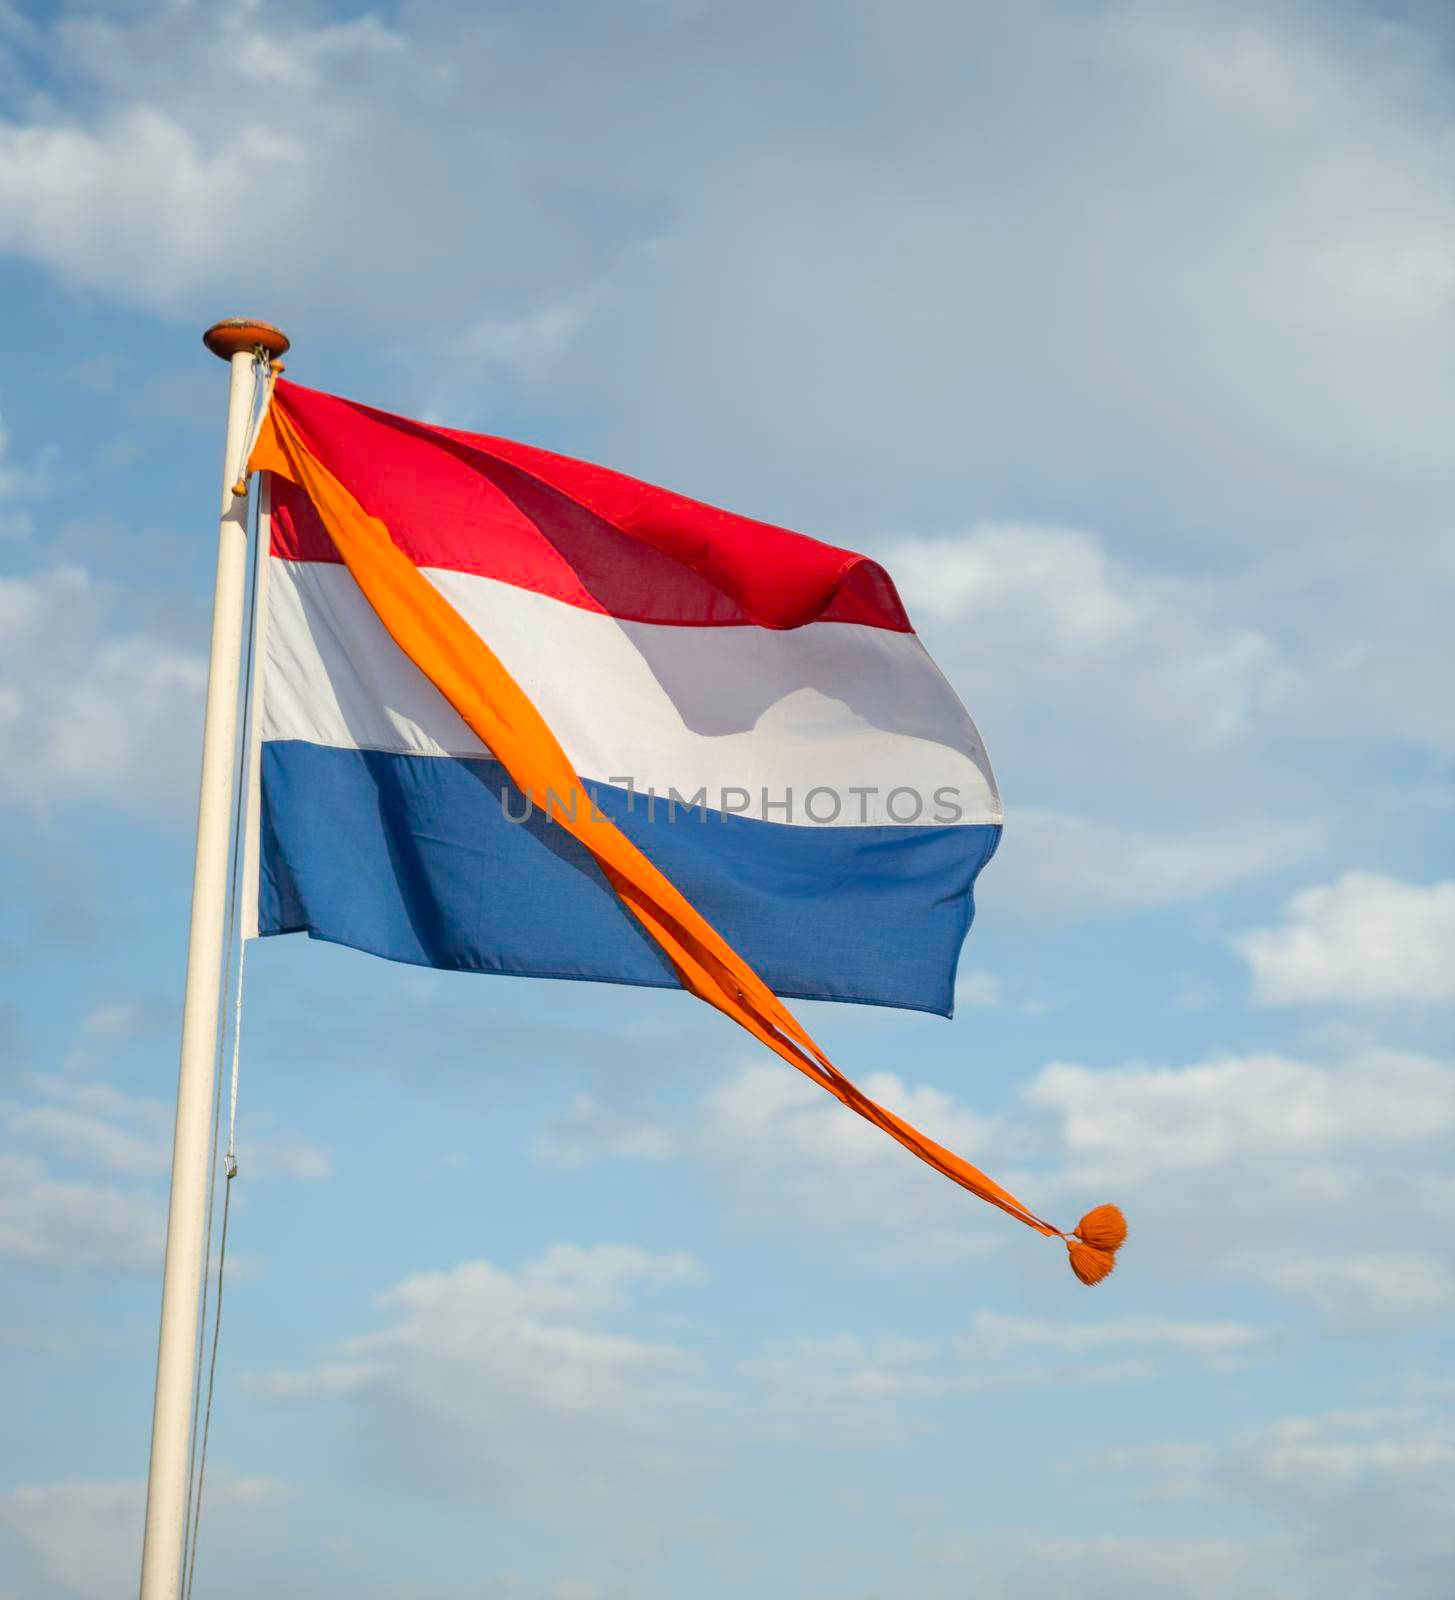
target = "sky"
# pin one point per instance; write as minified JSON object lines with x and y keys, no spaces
{"x":1122,"y":334}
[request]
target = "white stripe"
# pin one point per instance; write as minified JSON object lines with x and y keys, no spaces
{"x":758,"y":715}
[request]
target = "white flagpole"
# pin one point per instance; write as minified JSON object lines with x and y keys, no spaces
{"x":238,"y":341}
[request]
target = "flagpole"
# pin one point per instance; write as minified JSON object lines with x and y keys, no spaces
{"x":239,"y":341}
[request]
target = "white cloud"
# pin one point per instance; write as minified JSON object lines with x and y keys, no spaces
{"x":1061,"y":577}
{"x":530,"y":344}
{"x":769,"y":1107}
{"x":975,"y":990}
{"x":1135,"y":1121}
{"x":105,"y":1129}
{"x":1147,"y":652}
{"x":513,"y":1389}
{"x":121,"y":197}
{"x":87,"y":711}
{"x":1239,"y":1168}
{"x":1131,"y":1568}
{"x":1019,"y":310}
{"x":47,"y":1220}
{"x":271,"y":1155}
{"x":126,"y":206}
{"x":1070,"y":316}
{"x":522,"y":1391}
{"x":1359,"y":1498}
{"x":1363,"y":939}
{"x":17,"y":484}
{"x":94,"y":1124}
{"x":1112,"y":693}
{"x":86,"y":1533}
{"x":1054,"y":866}
{"x":589,"y":1131}
{"x":327,"y":1381}
{"x":854,"y":1386}
{"x":782,"y":1147}
{"x":1217,"y":1343}
{"x":123,"y":1020}
{"x":846,"y":1379}
{"x":1357,"y":1291}
{"x":1318,"y":1456}
{"x":1122,"y":692}
{"x":1308,"y":1179}
{"x":778,"y":1146}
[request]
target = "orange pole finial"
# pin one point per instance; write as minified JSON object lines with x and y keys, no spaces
{"x":233,"y":335}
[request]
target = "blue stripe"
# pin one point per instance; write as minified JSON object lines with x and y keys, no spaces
{"x":415,"y":858}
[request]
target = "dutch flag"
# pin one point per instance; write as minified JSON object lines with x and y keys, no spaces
{"x":519,"y":714}
{"x":750,"y":706}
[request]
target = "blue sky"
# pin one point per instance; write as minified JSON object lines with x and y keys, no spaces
{"x":1122,"y":334}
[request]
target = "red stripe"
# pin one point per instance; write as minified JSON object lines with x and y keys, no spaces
{"x":576,"y":532}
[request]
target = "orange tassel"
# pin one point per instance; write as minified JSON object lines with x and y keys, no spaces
{"x":1088,"y":1263}
{"x":240,"y":489}
{"x":1103,"y":1228}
